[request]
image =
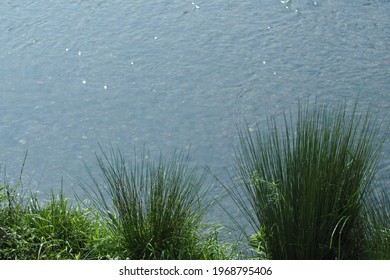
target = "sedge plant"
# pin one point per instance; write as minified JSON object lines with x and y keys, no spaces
{"x":305,"y":185}
{"x":153,"y":208}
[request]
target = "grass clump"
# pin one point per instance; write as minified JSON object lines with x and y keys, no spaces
{"x":53,"y":229}
{"x":307,"y":188}
{"x":154,"y":209}
{"x":309,"y":184}
{"x":146,"y":210}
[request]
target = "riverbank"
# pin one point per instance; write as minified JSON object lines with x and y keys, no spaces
{"x":307,"y":189}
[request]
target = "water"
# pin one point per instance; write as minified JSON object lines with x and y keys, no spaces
{"x":174,"y":74}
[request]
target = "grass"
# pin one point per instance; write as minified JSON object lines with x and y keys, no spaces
{"x":45,"y":230}
{"x":57,"y":230}
{"x":309,"y":185}
{"x":146,"y":210}
{"x":377,"y":229}
{"x":154,"y":209}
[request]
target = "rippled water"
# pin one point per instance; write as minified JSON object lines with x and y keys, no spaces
{"x":174,"y":74}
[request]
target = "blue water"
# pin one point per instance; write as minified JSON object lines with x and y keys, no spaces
{"x":174,"y":74}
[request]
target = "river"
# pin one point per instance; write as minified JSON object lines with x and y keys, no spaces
{"x":174,"y":74}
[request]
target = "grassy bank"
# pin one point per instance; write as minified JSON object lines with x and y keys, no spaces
{"x":144,"y":210}
{"x":58,"y":230}
{"x":31,"y":229}
{"x":306,"y":186}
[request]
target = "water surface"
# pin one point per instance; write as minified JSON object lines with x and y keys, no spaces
{"x":174,"y":74}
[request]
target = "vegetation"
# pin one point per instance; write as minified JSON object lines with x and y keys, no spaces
{"x":155,"y":209}
{"x":53,"y":230}
{"x":310,"y":186}
{"x":143,"y":211}
{"x":377,"y":229}
{"x":308,"y":190}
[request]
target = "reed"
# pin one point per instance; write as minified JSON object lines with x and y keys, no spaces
{"x":145,"y":210}
{"x":308,"y":182}
{"x":307,"y":187}
{"x":154,"y":208}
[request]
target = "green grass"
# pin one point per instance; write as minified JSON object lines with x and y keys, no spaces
{"x":377,"y":227}
{"x":57,"y":230}
{"x":154,"y":209}
{"x":46,"y":230}
{"x":308,"y":184}
{"x":144,"y":210}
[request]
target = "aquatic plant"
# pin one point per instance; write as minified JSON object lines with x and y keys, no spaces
{"x":144,"y":211}
{"x":306,"y":185}
{"x":153,"y":208}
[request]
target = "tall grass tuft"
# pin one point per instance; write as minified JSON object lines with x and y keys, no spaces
{"x":153,"y":208}
{"x":309,"y":182}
